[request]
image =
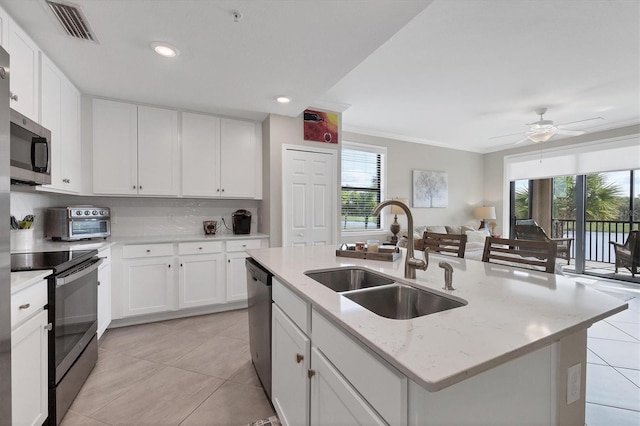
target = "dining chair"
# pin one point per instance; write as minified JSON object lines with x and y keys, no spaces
{"x":538,"y":255}
{"x":445,"y":243}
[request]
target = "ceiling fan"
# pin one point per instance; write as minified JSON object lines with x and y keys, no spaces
{"x":543,"y":130}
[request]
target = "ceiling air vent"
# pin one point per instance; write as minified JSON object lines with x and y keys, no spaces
{"x":73,"y":21}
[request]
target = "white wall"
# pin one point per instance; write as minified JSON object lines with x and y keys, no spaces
{"x":465,"y":176}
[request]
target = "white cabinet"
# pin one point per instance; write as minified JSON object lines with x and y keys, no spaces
{"x":200,"y":155}
{"x":220,"y":157}
{"x":333,"y":400}
{"x":60,"y":113}
{"x":104,"y":291}
{"x":29,"y":357}
{"x":135,"y":149}
{"x":149,"y":282}
{"x":24,"y":83}
{"x":4,"y":29}
{"x":240,"y":159}
{"x":201,"y":280}
{"x":236,"y":270}
{"x":291,"y":361}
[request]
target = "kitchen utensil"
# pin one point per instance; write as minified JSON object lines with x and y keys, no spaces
{"x":14,"y":223}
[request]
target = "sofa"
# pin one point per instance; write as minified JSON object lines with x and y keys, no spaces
{"x":473,"y":235}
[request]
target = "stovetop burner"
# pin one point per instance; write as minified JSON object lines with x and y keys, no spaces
{"x":58,"y":261}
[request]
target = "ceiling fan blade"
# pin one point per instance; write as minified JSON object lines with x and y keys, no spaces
{"x":504,"y":136}
{"x":580,"y":121}
{"x":570,"y":132}
{"x":522,"y":140}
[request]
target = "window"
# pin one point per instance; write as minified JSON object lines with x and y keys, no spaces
{"x":362,"y":185}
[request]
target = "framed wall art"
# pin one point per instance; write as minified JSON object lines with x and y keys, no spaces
{"x":320,"y":126}
{"x":430,"y":189}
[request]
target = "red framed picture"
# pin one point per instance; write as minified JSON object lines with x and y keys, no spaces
{"x":320,"y":126}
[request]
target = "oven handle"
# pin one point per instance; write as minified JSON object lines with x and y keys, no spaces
{"x":81,"y":273}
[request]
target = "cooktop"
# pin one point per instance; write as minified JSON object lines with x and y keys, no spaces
{"x":58,"y":261}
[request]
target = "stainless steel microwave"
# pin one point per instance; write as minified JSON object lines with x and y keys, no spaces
{"x":77,"y":223}
{"x":30,"y":151}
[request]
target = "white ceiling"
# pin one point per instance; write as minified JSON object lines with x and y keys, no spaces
{"x":451,"y":73}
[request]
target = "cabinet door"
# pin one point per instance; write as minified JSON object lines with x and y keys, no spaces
{"x":201,"y":280}
{"x":104,"y":298}
{"x":238,"y":156}
{"x":50,"y":100}
{"x":115,"y":150}
{"x":236,"y":277}
{"x":333,"y":400}
{"x":148,"y":286}
{"x":29,"y":369}
{"x":290,"y":356}
{"x":158,"y":154}
{"x":200,"y":155}
{"x":24,"y":82}
{"x":4,"y":30}
{"x":71,"y":161}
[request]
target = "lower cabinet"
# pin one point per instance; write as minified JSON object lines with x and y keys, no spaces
{"x":333,"y":400}
{"x":201,"y":278}
{"x":104,"y":291}
{"x":148,"y":286}
{"x":291,"y":361}
{"x":29,"y":356}
{"x":236,"y":276}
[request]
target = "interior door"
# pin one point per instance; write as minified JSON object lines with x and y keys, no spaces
{"x":309,"y":197}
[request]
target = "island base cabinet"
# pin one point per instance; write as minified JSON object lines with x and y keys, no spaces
{"x":290,"y":362}
{"x":333,"y":400}
{"x":529,"y":390}
{"x":29,"y":368}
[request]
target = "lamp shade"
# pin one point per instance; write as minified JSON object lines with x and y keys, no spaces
{"x":484,"y":212}
{"x":398,"y":210}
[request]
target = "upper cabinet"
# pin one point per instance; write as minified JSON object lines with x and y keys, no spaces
{"x":135,"y":149}
{"x":220,"y":157}
{"x":24,"y":84}
{"x":60,"y":113}
{"x":4,"y":30}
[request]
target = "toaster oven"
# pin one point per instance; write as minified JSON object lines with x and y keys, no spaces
{"x":77,"y":223}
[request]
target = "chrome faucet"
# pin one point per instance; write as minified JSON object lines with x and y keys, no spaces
{"x":411,"y":263}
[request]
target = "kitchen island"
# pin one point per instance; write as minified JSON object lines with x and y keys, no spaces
{"x":515,"y":353}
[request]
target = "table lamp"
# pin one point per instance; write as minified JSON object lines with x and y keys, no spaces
{"x":484,"y":214}
{"x":395,"y":226}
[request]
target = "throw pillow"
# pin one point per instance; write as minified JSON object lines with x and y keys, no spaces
{"x":437,"y":229}
{"x":476,"y":236}
{"x":454,"y":229}
{"x":464,"y":229}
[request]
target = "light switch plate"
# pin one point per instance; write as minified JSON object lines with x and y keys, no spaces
{"x":574,"y":378}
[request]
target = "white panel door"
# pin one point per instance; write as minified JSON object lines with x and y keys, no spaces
{"x":200,"y":155}
{"x":309,"y":197}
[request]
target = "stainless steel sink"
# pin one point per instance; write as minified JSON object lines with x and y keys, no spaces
{"x":346,"y":279}
{"x":401,"y":301}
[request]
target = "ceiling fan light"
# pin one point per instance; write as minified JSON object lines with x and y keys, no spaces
{"x":542,"y":136}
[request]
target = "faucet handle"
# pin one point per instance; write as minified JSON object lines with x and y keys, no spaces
{"x":426,"y":258}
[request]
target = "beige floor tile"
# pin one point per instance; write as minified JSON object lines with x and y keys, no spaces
{"x":219,"y":356}
{"x":232,"y":404}
{"x":72,"y":419}
{"x":246,"y":375}
{"x":165,"y":398}
{"x":238,"y":330}
{"x":113,"y":375}
{"x":211,"y":324}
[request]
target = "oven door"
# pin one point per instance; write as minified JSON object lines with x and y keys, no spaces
{"x":89,"y":228}
{"x":75,"y":315}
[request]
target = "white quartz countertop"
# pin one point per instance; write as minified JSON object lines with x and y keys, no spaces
{"x":509,"y":312}
{"x":22,"y":280}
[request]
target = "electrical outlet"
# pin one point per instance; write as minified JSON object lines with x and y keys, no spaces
{"x":574,"y":378}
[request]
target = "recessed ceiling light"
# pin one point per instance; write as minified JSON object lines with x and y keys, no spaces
{"x":165,"y":49}
{"x":283,"y":99}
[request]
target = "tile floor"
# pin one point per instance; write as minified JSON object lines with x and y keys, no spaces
{"x":197,"y":371}
{"x":192,"y":371}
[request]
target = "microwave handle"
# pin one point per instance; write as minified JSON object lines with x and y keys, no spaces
{"x":35,"y":141}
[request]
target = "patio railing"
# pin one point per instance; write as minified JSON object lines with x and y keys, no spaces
{"x":598,"y":235}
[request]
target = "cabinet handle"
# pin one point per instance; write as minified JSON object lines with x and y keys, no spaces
{"x":180,"y":265}
{"x":48,"y":327}
{"x":228,"y":260}
{"x":139,"y":186}
{"x":299,"y":358}
{"x":98,"y":282}
{"x":311,"y":373}
{"x":218,"y":190}
{"x":222,"y":189}
{"x":25,"y":306}
{"x":13,"y":97}
{"x":169,"y":266}
{"x":199,"y":248}
{"x":148,"y":250}
{"x":134,"y":187}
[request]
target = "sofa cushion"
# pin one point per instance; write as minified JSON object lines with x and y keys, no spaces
{"x":476,"y":236}
{"x":462,"y":229}
{"x":437,"y":229}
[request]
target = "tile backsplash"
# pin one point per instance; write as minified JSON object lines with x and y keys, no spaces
{"x":137,"y":216}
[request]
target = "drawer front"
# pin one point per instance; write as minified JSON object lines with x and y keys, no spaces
{"x":291,"y":304}
{"x":28,"y":302}
{"x":242,"y":245}
{"x":198,"y":247}
{"x":147,"y":250}
{"x":380,"y":384}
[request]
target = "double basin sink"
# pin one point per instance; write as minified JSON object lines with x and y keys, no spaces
{"x":383,"y":295}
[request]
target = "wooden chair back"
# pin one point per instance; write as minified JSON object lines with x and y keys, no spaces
{"x":538,"y":255}
{"x":445,"y":243}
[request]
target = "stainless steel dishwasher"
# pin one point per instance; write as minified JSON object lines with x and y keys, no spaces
{"x":259,"y":301}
